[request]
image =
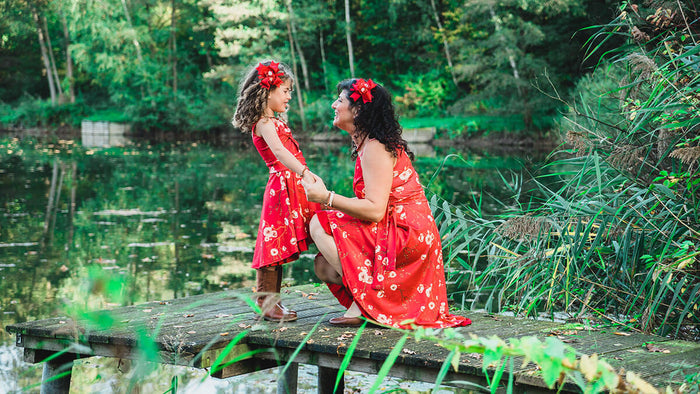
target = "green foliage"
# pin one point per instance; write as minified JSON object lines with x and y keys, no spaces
{"x":556,"y":360}
{"x":32,"y":112}
{"x":616,"y":234}
{"x":178,"y":69}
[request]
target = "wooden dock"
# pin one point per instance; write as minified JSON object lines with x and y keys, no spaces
{"x":218,"y":332}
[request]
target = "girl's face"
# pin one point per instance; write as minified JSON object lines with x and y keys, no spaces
{"x":279,"y":97}
{"x":344,"y":115}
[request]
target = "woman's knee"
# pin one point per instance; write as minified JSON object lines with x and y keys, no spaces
{"x":315,"y":227}
{"x":325,"y":271}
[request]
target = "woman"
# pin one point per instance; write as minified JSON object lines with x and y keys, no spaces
{"x":380,"y":250}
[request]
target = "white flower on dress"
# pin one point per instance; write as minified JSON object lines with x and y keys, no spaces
{"x":370,"y":307}
{"x":286,"y":201}
{"x":429,"y":238}
{"x":394,"y":287}
{"x":274,"y":252}
{"x":399,"y":189}
{"x":380,"y":278}
{"x":428,"y":291}
{"x":354,"y":290}
{"x":404,"y":175}
{"x":363,"y":295}
{"x":383,"y":319}
{"x":398,"y":208}
{"x":293,"y":241}
{"x":345,"y":234}
{"x":392,"y":274}
{"x":272,"y":192}
{"x":286,"y":222}
{"x":368,"y":263}
{"x":380,"y":294}
{"x":339,"y":214}
{"x":287,"y":174}
{"x":377,"y":249}
{"x":364,"y":277}
{"x":395,"y":174}
{"x":422,"y":308}
{"x":431,"y":305}
{"x":421,"y":237}
{"x":267,"y":231}
{"x":442,"y":307}
{"x":295,"y":214}
{"x":420,"y":288}
{"x":334,"y":226}
{"x":423,"y":257}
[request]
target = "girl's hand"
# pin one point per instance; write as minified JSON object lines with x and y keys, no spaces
{"x":309,"y":177}
{"x":316,"y":190}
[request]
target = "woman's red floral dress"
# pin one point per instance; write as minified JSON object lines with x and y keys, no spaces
{"x":393,"y":269}
{"x":285,"y":216}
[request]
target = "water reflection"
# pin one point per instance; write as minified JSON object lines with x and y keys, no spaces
{"x":84,"y":228}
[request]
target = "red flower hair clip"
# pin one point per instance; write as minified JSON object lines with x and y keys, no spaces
{"x":269,"y":75}
{"x":362,"y":88}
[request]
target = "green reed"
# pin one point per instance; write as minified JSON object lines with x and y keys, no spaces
{"x":616,"y":231}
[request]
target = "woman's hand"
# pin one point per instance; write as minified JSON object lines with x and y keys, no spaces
{"x":316,"y":190}
{"x":309,"y":177}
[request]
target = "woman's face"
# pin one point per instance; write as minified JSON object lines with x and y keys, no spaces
{"x":344,"y":115}
{"x":278,"y":100}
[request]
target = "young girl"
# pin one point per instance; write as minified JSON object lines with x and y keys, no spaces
{"x":283,"y":231}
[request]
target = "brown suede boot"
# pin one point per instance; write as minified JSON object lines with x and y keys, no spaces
{"x":269,"y":285}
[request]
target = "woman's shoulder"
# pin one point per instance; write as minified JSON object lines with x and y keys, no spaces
{"x":375,"y":151}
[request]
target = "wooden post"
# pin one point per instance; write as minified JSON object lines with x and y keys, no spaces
{"x":55,"y":378}
{"x":326,"y":381}
{"x":287,"y":382}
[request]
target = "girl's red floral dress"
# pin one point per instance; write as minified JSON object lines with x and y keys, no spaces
{"x":393,"y":269}
{"x":285,"y":216}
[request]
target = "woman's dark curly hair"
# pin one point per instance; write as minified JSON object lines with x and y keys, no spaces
{"x":252,"y":97}
{"x":376,"y":119}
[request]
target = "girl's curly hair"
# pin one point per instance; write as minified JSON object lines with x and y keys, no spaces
{"x":376,"y":119}
{"x":252,"y":97}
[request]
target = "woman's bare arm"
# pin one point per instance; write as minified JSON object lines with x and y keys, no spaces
{"x":377,"y":170}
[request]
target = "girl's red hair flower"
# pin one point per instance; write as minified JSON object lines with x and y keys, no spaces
{"x":362,"y":88}
{"x":269,"y":75}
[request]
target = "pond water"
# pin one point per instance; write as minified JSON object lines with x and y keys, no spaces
{"x":94,"y":228}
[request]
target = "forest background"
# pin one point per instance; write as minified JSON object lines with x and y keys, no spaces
{"x":462,"y":66}
{"x":614,"y":233}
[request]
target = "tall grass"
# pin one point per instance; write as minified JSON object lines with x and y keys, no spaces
{"x":618,"y":237}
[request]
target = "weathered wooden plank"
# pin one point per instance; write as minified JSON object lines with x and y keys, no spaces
{"x":188,"y":331}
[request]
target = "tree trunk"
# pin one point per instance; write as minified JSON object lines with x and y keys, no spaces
{"x":69,"y":60}
{"x":323,"y":60}
{"x":173,"y":45}
{"x":135,"y":41}
{"x":294,"y":69}
{"x":44,"y":54}
{"x":509,"y":52}
{"x":54,"y":70}
{"x":348,"y":36}
{"x":444,"y":41}
{"x":139,"y":55}
{"x":527,"y":116}
{"x":302,"y":59}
